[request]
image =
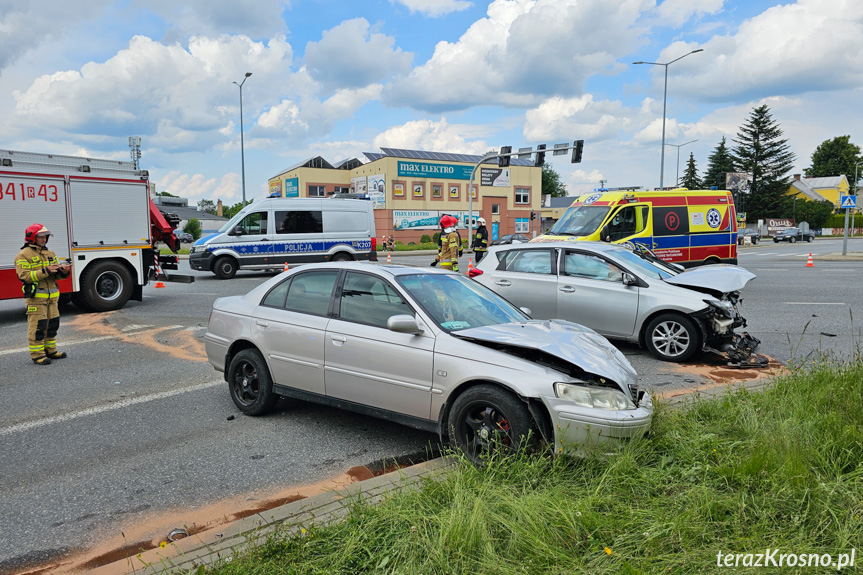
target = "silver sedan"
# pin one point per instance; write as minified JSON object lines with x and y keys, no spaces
{"x":426,"y":348}
{"x":626,"y":294}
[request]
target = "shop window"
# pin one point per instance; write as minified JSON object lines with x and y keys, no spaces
{"x":522,"y":225}
{"x":419,"y":190}
{"x":437,"y":190}
{"x":398,"y":189}
{"x":454,"y":191}
{"x":317,"y":191}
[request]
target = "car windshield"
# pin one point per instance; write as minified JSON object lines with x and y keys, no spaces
{"x":456,"y":302}
{"x":643,"y":264}
{"x":580,"y":221}
{"x":233,"y":221}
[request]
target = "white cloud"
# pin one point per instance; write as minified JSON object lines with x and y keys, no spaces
{"x":679,"y":12}
{"x":434,"y":8}
{"x":350,"y":55}
{"x":430,"y":135}
{"x":255,"y":18}
{"x":197,"y":187}
{"x":576,"y":119}
{"x":523,"y":50}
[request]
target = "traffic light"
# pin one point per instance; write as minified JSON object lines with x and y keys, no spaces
{"x":532,"y":215}
{"x":540,"y":155}
{"x":503,"y":161}
{"x":577,"y":150}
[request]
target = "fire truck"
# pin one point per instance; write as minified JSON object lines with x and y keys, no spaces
{"x":102,"y":220}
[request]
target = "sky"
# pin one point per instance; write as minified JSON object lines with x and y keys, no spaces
{"x":336,"y":78}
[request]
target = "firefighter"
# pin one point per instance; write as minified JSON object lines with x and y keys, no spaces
{"x":450,"y":244}
{"x":38,"y":270}
{"x":480,"y":242}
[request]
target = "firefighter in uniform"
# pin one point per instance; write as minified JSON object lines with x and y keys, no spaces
{"x":38,"y":270}
{"x":450,"y":244}
{"x":480,"y":241}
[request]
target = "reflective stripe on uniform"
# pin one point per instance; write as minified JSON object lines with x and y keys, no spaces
{"x":34,"y":276}
{"x":47,"y":295}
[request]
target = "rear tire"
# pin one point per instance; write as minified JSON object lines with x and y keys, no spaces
{"x":341,"y":257}
{"x":671,"y":337}
{"x":225,"y":267}
{"x":250,"y":383}
{"x":105,"y":286}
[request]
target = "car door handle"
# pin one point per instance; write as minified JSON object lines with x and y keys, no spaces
{"x":262,"y":323}
{"x":503,"y":283}
{"x":338,"y":339}
{"x":567,"y":289}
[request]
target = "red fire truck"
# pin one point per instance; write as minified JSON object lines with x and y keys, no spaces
{"x":102,"y":219}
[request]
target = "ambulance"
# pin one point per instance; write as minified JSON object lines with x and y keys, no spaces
{"x":686,"y":227}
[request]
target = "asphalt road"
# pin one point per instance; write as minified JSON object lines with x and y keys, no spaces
{"x":135,"y":432}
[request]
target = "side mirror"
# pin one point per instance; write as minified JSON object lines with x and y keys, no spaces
{"x":629,"y":279}
{"x":527,"y":311}
{"x":404,"y":323}
{"x":605,"y":234}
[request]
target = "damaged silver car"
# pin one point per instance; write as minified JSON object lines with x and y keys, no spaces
{"x":425,"y":348}
{"x":627,"y":294}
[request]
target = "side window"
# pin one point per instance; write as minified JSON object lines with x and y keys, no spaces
{"x":311,"y":292}
{"x":299,"y":222}
{"x":528,"y":261}
{"x":277,"y":295}
{"x":370,"y":300}
{"x":627,"y":222}
{"x":590,"y":267}
{"x":255,"y":223}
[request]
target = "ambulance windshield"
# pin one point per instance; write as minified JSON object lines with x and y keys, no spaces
{"x":580,"y":221}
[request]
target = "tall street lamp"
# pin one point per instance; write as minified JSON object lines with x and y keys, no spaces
{"x":678,"y":146}
{"x":664,"y":98}
{"x":242,"y":148}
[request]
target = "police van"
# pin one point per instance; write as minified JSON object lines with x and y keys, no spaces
{"x":687,"y":227}
{"x":273,"y":232}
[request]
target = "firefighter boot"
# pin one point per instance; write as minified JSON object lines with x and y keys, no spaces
{"x":56,"y":354}
{"x":41,"y":360}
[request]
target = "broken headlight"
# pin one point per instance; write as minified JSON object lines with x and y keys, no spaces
{"x":595,"y":397}
{"x":724,"y":308}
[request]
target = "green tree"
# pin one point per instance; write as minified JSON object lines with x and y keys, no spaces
{"x":836,"y":157}
{"x":719,"y":163}
{"x":208,"y":206}
{"x":231,"y":211}
{"x":551,"y":183}
{"x":761,"y":151}
{"x":803,"y":210}
{"x":193,"y":226}
{"x":167,"y":194}
{"x":690,"y":178}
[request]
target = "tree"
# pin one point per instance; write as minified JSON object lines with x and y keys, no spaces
{"x":836,"y":157}
{"x":551,"y":183}
{"x":231,"y":211}
{"x":208,"y":206}
{"x":814,"y":213}
{"x":193,"y":226}
{"x":719,"y":163}
{"x":690,"y":175}
{"x":166,"y":194}
{"x":761,"y":151}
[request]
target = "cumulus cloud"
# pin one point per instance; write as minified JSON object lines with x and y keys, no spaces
{"x":350,"y":55}
{"x":254,"y":18}
{"x":197,"y":187}
{"x":434,"y":8}
{"x":576,"y":119}
{"x":430,"y":135}
{"x":522,"y":51}
{"x":678,"y":12}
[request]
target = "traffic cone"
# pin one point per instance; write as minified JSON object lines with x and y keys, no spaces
{"x":159,"y":274}
{"x":470,"y":263}
{"x":389,"y":259}
{"x":159,"y":285}
{"x":809,"y":263}
{"x":286,"y":267}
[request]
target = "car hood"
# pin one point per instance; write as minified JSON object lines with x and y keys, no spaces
{"x":571,"y":342}
{"x":717,"y":278}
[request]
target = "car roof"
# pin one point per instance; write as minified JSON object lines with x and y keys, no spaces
{"x":600,"y":247}
{"x":392,"y":270}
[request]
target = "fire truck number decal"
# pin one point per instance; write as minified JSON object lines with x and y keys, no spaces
{"x":13,"y":191}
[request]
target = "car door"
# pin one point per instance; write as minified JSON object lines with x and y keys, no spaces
{"x":366,"y":363}
{"x":527,"y":278}
{"x":590,"y":291}
{"x":289,"y":328}
{"x":251,"y":240}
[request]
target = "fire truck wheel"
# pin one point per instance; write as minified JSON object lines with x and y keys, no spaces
{"x":250,"y":384}
{"x":105,"y":285}
{"x":225,"y":268}
{"x":671,"y":337}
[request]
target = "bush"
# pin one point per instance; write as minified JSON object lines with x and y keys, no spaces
{"x":193,"y":226}
{"x":436,"y":237}
{"x":425,"y":239}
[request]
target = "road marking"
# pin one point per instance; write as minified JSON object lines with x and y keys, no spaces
{"x":63,"y":344}
{"x":28,"y":425}
{"x":813,"y":303}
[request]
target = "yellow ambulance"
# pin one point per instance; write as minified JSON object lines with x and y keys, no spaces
{"x":687,"y":227}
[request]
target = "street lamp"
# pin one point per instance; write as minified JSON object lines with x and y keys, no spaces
{"x":242,"y":148}
{"x":678,"y":146}
{"x":664,"y":97}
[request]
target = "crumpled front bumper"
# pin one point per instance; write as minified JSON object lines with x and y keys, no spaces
{"x":577,"y":428}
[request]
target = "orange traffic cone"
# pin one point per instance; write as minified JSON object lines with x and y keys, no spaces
{"x":389,"y":259}
{"x":470,"y":263}
{"x":809,"y":263}
{"x":286,"y":267}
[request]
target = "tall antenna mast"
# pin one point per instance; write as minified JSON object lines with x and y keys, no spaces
{"x":135,"y":150}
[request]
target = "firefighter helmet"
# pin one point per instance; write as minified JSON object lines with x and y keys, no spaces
{"x":35,"y":230}
{"x":480,"y":221}
{"x":447,"y":221}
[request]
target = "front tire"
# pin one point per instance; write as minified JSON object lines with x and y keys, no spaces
{"x":225,"y":267}
{"x":487,"y":419}
{"x":792,"y":239}
{"x":105,"y":286}
{"x":671,"y":337}
{"x":250,"y":383}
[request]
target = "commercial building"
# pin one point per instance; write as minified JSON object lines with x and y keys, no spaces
{"x":411,"y":189}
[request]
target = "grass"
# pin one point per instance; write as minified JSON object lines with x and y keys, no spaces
{"x":739,"y":474}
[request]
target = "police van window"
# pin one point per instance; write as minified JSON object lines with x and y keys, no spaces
{"x":627,"y":221}
{"x":254,"y":223}
{"x":528,"y":261}
{"x":590,"y":267}
{"x":299,"y":222}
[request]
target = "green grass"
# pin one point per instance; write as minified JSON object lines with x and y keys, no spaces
{"x":739,"y":474}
